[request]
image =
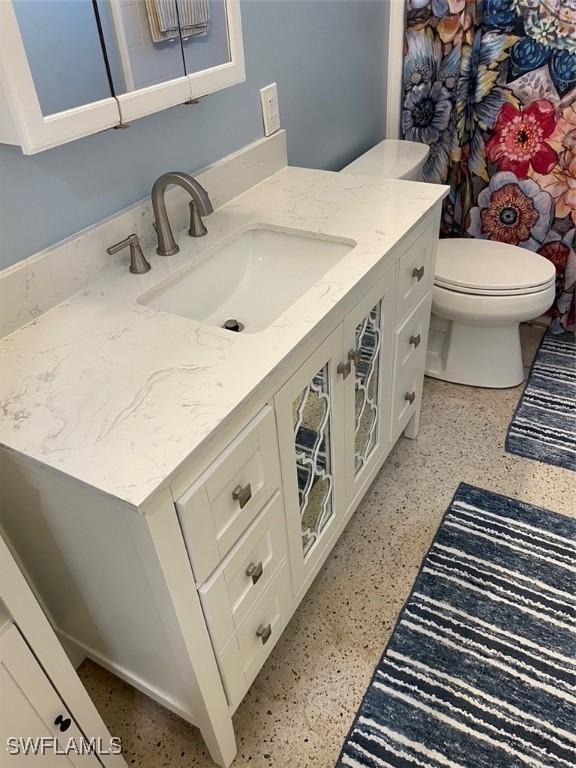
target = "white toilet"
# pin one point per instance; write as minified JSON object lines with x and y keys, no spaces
{"x":482,"y":291}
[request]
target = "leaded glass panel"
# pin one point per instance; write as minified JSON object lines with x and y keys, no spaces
{"x":311,"y":420}
{"x":367,"y":356}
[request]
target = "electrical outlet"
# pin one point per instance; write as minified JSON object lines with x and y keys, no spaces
{"x":270,"y":109}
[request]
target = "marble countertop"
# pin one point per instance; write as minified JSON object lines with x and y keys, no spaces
{"x":118,"y":395}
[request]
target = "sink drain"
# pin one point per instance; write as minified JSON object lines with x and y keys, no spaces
{"x":233,"y":325}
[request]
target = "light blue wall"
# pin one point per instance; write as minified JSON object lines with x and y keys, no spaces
{"x":327,"y":57}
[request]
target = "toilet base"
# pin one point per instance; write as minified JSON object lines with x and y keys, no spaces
{"x":480,"y":356}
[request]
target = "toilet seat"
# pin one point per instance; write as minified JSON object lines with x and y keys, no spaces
{"x":495,"y":291}
{"x":488,"y":268}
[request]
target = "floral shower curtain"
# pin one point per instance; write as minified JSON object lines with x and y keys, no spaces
{"x":490,"y":85}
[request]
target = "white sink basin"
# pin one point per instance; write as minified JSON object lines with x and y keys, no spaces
{"x":251,"y":278}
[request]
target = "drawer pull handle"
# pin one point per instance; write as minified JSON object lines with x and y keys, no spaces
{"x":415,"y":341}
{"x":410,"y":396}
{"x":418,"y":273}
{"x":344,"y":369}
{"x":264,"y":632}
{"x":242,"y":494}
{"x":63,"y":723}
{"x":254,"y":571}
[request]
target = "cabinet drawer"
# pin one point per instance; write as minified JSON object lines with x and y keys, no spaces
{"x":218,"y":508}
{"x":245,"y":574}
{"x":415,"y":275}
{"x":247,"y":651}
{"x":412,"y":336}
{"x":407,"y":395}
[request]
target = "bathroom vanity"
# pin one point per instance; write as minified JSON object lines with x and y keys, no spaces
{"x":172,"y":487}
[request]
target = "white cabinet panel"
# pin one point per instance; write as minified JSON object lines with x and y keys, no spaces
{"x":30,"y":709}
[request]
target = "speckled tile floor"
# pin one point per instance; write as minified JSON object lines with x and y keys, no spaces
{"x":300,"y":707}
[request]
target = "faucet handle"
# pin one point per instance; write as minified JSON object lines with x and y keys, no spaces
{"x":138,"y":263}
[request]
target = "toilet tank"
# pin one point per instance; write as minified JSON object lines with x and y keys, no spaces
{"x":392,"y":159}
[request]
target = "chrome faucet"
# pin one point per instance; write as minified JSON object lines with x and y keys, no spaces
{"x":200,"y":205}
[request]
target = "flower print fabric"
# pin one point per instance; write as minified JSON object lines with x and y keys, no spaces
{"x":512,"y":210}
{"x":518,"y":141}
{"x":490,"y":86}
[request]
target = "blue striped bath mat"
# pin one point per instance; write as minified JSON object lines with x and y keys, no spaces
{"x":544,"y":425}
{"x":480,"y":671}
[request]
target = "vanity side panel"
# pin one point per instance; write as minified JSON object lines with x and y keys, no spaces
{"x":83,"y":555}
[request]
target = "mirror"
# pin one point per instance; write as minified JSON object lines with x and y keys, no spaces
{"x":212,"y":48}
{"x":143,"y":42}
{"x":153,"y":41}
{"x":147,"y":42}
{"x":64,"y":53}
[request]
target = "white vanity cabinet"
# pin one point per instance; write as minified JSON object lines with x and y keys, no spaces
{"x":186,"y":596}
{"x":261,"y":520}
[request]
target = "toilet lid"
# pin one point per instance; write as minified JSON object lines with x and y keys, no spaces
{"x":486,"y":267}
{"x":390,"y":159}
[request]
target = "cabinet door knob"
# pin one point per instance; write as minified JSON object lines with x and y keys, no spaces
{"x":418,"y":273}
{"x":242,"y":494}
{"x":264,"y":632}
{"x":354,"y":356}
{"x":415,"y":341}
{"x":63,"y":723}
{"x":410,"y":396}
{"x":254,"y":571}
{"x":344,"y":369}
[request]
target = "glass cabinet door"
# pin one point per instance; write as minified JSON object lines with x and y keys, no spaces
{"x":310,"y":417}
{"x":369,"y":340}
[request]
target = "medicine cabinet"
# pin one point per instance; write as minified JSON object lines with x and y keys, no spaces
{"x":70,"y":68}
